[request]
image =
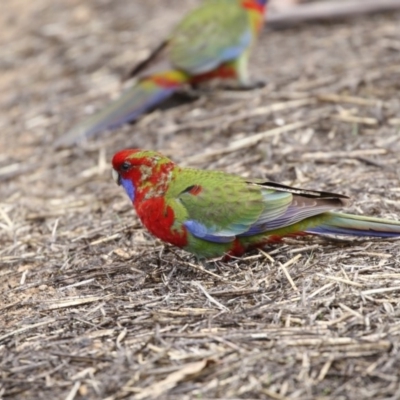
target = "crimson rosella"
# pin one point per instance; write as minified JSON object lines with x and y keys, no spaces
{"x":212,"y":213}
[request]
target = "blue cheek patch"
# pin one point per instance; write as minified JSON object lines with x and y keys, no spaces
{"x":129,"y":188}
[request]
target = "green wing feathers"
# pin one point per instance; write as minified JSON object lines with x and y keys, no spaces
{"x":218,"y":31}
{"x":219,"y":201}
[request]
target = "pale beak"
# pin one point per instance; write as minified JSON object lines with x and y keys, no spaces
{"x":116,"y":176}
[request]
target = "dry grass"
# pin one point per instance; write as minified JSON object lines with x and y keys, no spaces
{"x":93,"y":307}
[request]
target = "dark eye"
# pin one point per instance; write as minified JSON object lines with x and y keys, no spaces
{"x":126,"y":166}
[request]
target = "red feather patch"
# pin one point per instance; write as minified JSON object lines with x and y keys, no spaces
{"x":158,"y":219}
{"x":236,"y":250}
{"x":222,"y":72}
{"x":253,"y":5}
{"x":195,"y":190}
{"x":165,"y":82}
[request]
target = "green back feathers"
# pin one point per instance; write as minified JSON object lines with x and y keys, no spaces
{"x":216,"y":32}
{"x":218,"y":200}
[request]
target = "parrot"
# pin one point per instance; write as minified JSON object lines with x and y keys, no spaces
{"x":215,"y":214}
{"x":213,"y":41}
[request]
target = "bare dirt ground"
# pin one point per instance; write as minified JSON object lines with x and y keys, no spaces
{"x":94,"y":307}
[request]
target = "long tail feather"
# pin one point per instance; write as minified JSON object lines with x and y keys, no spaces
{"x":356,"y":225}
{"x":134,"y":102}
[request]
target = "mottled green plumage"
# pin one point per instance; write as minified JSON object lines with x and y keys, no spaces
{"x":211,"y":213}
{"x":197,"y":44}
{"x":224,"y":200}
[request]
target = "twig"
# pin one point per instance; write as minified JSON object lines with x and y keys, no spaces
{"x":337,"y":98}
{"x":27,"y":328}
{"x":205,"y":271}
{"x":355,"y":119}
{"x":209,"y":297}
{"x":286,"y":272}
{"x":380,"y":290}
{"x":74,"y":391}
{"x":342,"y":280}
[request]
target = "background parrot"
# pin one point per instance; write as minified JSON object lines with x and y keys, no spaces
{"x":211,"y":213}
{"x":213,"y":41}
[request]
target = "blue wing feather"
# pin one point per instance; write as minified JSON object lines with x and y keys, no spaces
{"x":225,"y":55}
{"x":200,"y":231}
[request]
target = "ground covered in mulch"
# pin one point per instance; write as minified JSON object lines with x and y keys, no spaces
{"x":94,"y":307}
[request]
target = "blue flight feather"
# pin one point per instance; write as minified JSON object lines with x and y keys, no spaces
{"x":200,"y":231}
